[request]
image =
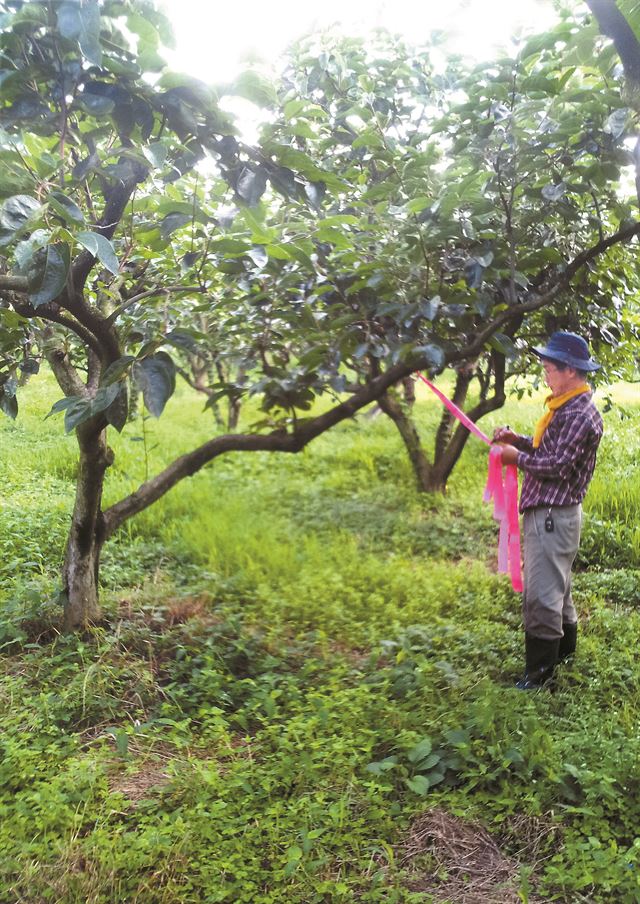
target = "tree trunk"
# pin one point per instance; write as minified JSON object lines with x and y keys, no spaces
{"x":448,"y":455}
{"x":464,"y":376}
{"x":235,"y":404}
{"x":421,"y":466}
{"x":86,"y":535}
{"x":450,"y":440}
{"x":234,"y":415}
{"x":409,"y":391}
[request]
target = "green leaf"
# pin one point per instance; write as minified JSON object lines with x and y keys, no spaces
{"x":419,"y":784}
{"x":615,"y":124}
{"x":101,"y":248}
{"x":118,"y":411}
{"x":81,"y":22}
{"x":171,"y":222}
{"x":251,"y":185}
{"x":156,"y":153}
{"x":66,"y":208}
{"x":48,"y":273}
{"x":381,"y":766}
{"x":96,"y":104}
{"x":427,"y":763}
{"x":117,"y":370}
{"x":554,"y":192}
{"x":436,"y":776}
{"x":504,"y":344}
{"x":25,"y":250}
{"x":156,"y":378}
{"x":294,"y":856}
{"x":8,"y":401}
{"x":5,"y":75}
{"x":254,"y":87}
{"x":433,"y":355}
{"x":121,"y":739}
{"x":149,"y":39}
{"x":78,"y":409}
{"x":458,"y":737}
{"x":18,"y":211}
{"x":259,"y":256}
{"x":417,"y":205}
{"x":315,"y":192}
{"x":82,"y":169}
{"x":283,"y":180}
{"x":189,"y":260}
{"x":420,"y":751}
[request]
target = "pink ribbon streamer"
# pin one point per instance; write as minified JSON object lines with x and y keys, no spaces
{"x":502,"y":487}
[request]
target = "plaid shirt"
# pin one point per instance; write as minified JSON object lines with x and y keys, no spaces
{"x":558,"y":472}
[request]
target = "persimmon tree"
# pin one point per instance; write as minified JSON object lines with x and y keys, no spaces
{"x":475,"y":187}
{"x":389,"y":218}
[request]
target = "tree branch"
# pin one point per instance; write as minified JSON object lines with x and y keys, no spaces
{"x":614,"y":25}
{"x":64,"y":372}
{"x":11,"y":283}
{"x":464,"y":375}
{"x":279,"y":441}
{"x":115,"y":205}
{"x":92,"y":329}
{"x":158,"y":290}
{"x":537,"y":301}
{"x":52,"y":314}
{"x":456,"y":444}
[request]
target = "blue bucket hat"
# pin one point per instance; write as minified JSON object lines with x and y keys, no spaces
{"x":568,"y":348}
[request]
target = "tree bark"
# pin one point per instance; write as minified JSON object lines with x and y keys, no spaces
{"x":613,"y":24}
{"x":432,"y":477}
{"x":87,"y":533}
{"x":464,"y":376}
{"x":407,"y":430}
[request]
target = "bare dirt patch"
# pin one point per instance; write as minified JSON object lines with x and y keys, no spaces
{"x":135,"y":786}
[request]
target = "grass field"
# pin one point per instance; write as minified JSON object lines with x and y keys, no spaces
{"x":302,"y":690}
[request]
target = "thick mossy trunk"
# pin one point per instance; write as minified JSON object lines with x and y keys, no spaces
{"x":86,"y":535}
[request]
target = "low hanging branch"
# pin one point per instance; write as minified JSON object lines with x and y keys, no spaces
{"x":278,"y":441}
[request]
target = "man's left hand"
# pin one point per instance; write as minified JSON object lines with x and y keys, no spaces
{"x":509,"y":455}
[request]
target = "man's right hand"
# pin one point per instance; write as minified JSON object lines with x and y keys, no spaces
{"x":504,"y":435}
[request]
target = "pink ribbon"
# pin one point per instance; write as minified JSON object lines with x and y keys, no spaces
{"x":502,"y":487}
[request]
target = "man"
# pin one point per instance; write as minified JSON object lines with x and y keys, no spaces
{"x":558,"y":463}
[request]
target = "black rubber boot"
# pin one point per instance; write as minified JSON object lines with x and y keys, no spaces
{"x":541,"y":657}
{"x":568,"y":643}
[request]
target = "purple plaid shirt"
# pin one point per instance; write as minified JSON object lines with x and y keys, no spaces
{"x":558,"y":472}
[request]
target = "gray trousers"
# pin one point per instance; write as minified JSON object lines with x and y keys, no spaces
{"x":548,"y":557}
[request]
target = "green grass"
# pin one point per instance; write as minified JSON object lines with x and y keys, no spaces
{"x":301,"y":655}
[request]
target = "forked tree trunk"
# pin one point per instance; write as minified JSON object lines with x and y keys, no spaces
{"x":432,"y":477}
{"x":86,"y":535}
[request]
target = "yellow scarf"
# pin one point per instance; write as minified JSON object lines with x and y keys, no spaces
{"x":553,"y":403}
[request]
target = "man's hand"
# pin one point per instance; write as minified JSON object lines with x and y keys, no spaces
{"x":504,"y":435}
{"x":509,"y":455}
